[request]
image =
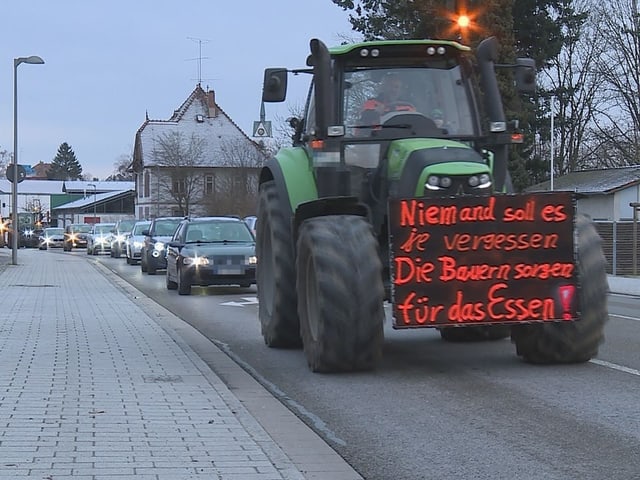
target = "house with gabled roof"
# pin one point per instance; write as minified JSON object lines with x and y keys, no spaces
{"x":195,"y":162}
{"x":604,"y":195}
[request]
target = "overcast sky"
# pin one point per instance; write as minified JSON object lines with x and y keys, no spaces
{"x":109,"y":62}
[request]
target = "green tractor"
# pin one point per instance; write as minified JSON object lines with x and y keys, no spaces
{"x":416,"y":207}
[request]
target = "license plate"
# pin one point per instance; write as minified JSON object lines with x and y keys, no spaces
{"x":229,"y":271}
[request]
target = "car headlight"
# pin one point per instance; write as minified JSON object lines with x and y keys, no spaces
{"x":158,"y":246}
{"x":252,"y":260}
{"x":195,"y":261}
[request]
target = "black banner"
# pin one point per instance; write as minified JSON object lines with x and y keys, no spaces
{"x":483,"y":260}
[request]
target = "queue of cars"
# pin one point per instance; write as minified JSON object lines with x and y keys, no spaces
{"x":192,"y":251}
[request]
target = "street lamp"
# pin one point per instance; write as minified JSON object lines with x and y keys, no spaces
{"x":553,"y":112}
{"x":34,"y":60}
{"x":95,"y":216}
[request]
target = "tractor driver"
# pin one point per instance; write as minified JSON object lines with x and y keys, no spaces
{"x":388,"y":100}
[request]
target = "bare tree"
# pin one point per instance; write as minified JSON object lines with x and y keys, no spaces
{"x":283,"y":130}
{"x":179,"y":158}
{"x":236,"y":182}
{"x":618,"y":122}
{"x":6,"y":158}
{"x":572,"y":86}
{"x":122,"y":169}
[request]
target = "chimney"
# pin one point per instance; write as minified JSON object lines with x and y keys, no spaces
{"x":211,"y":103}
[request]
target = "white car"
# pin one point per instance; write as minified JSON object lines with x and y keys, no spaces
{"x":99,"y":239}
{"x":52,"y":237}
{"x":134,"y":241}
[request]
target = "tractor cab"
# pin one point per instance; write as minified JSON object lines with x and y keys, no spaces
{"x":353,"y":121}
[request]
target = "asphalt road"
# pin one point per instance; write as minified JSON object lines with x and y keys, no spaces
{"x":441,"y":410}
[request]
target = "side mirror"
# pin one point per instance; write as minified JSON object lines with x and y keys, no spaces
{"x":274,"y":88}
{"x":294,"y":122}
{"x":526,"y":75}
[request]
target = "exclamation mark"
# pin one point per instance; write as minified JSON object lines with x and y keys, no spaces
{"x":566,"y":298}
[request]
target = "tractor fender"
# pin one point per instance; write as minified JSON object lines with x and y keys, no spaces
{"x":328,"y":206}
{"x":291,"y":172}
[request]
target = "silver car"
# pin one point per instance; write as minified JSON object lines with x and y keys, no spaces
{"x":99,"y":239}
{"x":135,"y":240}
{"x":52,"y":237}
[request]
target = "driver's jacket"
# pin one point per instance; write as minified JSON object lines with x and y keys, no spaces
{"x":374,"y":103}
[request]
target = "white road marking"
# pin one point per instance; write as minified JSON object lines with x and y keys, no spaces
{"x":615,"y":366}
{"x":625,"y":317}
{"x":247,"y":301}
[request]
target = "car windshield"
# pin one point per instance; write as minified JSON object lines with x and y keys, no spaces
{"x":436,"y":93}
{"x":126,"y":225}
{"x":81,"y":228}
{"x":165,"y":228}
{"x":102,"y":229}
{"x":138,"y":228}
{"x":218,"y":231}
{"x":54,"y":231}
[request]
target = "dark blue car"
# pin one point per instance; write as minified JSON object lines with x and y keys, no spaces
{"x":211,"y":251}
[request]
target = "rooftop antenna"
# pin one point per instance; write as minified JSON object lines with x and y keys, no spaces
{"x":200,"y":57}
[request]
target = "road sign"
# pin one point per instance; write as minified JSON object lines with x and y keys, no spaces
{"x":22,"y":173}
{"x":262,"y":129}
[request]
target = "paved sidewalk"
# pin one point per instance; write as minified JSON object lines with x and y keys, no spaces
{"x":92,"y":386}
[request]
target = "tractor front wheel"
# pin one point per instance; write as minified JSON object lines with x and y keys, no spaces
{"x":276,"y":274}
{"x":578,"y":341}
{"x":340,"y":293}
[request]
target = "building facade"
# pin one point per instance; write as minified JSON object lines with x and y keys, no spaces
{"x":198,"y":162}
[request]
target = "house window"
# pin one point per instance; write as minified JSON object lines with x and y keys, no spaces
{"x":209,"y":184}
{"x":179,"y":186}
{"x":239,"y":180}
{"x":147,"y":181}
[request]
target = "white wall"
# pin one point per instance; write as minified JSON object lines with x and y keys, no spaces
{"x":598,"y":207}
{"x":622,"y":200}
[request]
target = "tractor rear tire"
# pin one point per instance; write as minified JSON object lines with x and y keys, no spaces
{"x":578,"y":341}
{"x":276,"y":273}
{"x":340,"y":294}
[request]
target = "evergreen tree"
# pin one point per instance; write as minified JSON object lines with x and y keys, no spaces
{"x":522,"y":27}
{"x":65,"y":165}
